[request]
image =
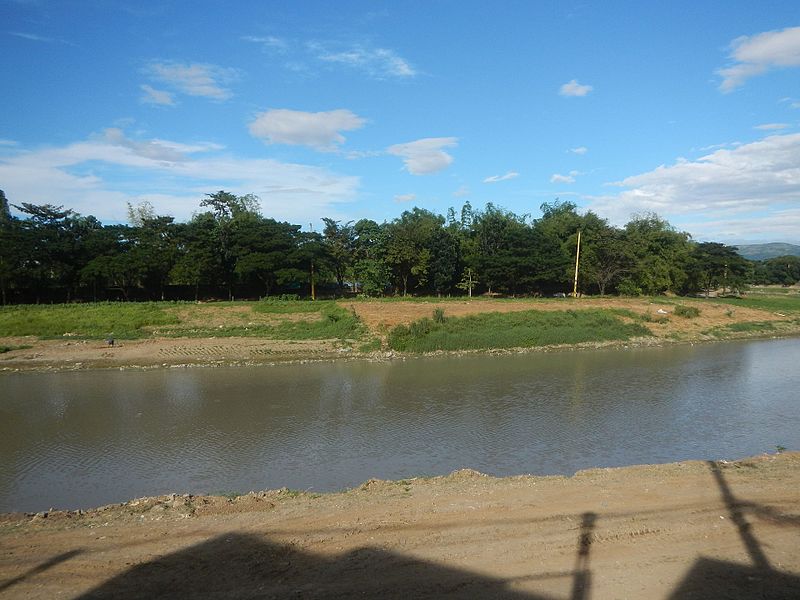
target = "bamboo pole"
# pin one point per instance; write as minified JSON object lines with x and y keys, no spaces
{"x":577,"y":259}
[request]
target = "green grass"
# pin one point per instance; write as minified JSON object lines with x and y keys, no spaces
{"x":750,"y":326}
{"x":512,"y":330}
{"x":131,"y":320}
{"x":782,"y":304}
{"x":281,"y":307}
{"x":747,"y":327}
{"x":334,"y":322}
{"x":4,"y":349}
{"x":123,"y":320}
{"x":372,"y":345}
{"x":688,"y":312}
{"x":460,"y":299}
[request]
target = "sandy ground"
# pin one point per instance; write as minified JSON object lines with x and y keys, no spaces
{"x":379,"y":317}
{"x":382,"y":316}
{"x":683,"y":530}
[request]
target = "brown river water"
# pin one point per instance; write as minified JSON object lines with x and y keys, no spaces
{"x":82,"y":439}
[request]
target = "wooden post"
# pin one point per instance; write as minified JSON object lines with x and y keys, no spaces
{"x":577,"y":259}
{"x":313,"y":291}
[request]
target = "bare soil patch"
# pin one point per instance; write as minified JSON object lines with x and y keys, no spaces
{"x":210,"y":316}
{"x":380,"y":317}
{"x":164,"y":352}
{"x":689,"y":529}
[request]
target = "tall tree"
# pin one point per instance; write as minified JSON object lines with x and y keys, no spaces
{"x":715,"y":266}
{"x":339,"y":243}
{"x":408,"y":246}
{"x":227,"y":208}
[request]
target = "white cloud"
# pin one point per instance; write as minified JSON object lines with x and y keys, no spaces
{"x":34,"y":37}
{"x":558,"y":178}
{"x":98,"y":176}
{"x":194,"y":79}
{"x":268,"y":41}
{"x":461,"y":192}
{"x":425,"y":156}
{"x":8,"y":143}
{"x":405,"y":197}
{"x":772,"y":126}
{"x":573,"y":88}
{"x":779,"y":225}
{"x":755,"y":55}
{"x":497,"y":178}
{"x":154,"y":96}
{"x":152,"y":149}
{"x":581,"y":150}
{"x":747,"y":186}
{"x":318,"y":130}
{"x":378,"y":62}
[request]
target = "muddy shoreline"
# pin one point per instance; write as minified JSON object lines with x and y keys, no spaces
{"x":686,"y":529}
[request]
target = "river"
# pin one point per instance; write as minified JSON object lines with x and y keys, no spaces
{"x":82,"y":439}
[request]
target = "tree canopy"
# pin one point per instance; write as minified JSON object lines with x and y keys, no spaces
{"x":229,"y":249}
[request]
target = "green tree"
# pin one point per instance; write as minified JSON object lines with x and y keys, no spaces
{"x":660,"y":256}
{"x":605,"y":257}
{"x":408,"y":246}
{"x":339,"y":243}
{"x":197,"y":262}
{"x":715,"y":266}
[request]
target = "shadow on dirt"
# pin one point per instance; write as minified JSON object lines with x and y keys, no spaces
{"x":721,"y":579}
{"x":40,"y":568}
{"x":248,"y":566}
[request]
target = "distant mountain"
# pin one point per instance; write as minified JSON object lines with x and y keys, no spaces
{"x":765,"y":251}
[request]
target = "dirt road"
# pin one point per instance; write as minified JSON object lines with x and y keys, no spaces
{"x":684,"y":530}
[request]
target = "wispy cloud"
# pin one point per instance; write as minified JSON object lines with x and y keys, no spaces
{"x":194,"y":79}
{"x":573,"y":88}
{"x":558,"y":178}
{"x":35,"y":37}
{"x":580,"y":150}
{"x":154,"y":96}
{"x":99,"y":175}
{"x":377,"y":62}
{"x":771,"y":126}
{"x":425,"y":156}
{"x":498,"y":178}
{"x":269,"y":42}
{"x":319,"y":130}
{"x":748,"y":185}
{"x":405,"y":197}
{"x":757,"y":54}
{"x":461,"y":192}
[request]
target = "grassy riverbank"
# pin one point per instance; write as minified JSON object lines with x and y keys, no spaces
{"x":172,"y":334}
{"x":289,"y":320}
{"x":525,"y":329}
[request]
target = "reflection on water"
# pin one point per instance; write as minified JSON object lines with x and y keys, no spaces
{"x":81,"y":439}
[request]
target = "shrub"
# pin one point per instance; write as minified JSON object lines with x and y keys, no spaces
{"x":688,"y":312}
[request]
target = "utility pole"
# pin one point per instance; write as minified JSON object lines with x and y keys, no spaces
{"x":577,"y":259}
{"x":313,"y":290}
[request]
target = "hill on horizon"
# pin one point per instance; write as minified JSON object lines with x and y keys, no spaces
{"x":765,"y":251}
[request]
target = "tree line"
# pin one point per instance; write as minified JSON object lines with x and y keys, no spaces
{"x":229,"y":249}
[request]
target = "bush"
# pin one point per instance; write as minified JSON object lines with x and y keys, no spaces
{"x":688,"y":312}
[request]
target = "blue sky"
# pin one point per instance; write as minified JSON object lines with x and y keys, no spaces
{"x":365,"y":109}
